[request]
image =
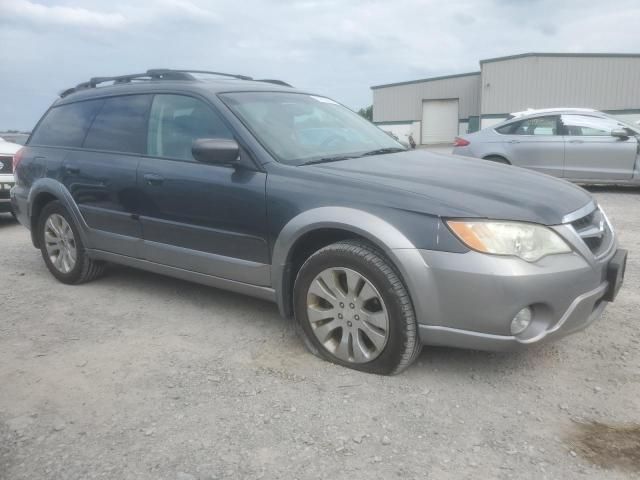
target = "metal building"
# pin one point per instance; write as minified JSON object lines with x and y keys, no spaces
{"x":434,"y":110}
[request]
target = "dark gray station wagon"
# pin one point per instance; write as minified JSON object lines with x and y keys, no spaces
{"x":255,"y":187}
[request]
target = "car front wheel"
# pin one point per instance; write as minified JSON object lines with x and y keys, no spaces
{"x":353,"y":309}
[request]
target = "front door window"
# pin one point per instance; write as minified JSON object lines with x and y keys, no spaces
{"x":176,"y":121}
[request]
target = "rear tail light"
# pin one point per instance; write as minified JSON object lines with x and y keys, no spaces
{"x":17,"y":158}
{"x":460,"y":142}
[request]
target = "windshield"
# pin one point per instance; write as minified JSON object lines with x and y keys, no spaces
{"x":635,"y":129}
{"x":298,"y":128}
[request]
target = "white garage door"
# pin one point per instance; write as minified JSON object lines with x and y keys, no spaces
{"x":439,"y":121}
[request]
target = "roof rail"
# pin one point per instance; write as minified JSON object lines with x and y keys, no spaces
{"x":164,"y":71}
{"x":531,"y":111}
{"x":148,"y":75}
{"x":207,"y":72}
{"x":274,"y":81}
{"x":159,"y":74}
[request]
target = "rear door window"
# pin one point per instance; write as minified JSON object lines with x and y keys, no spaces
{"x":66,"y":125}
{"x":120,"y":126}
{"x":175,"y":121}
{"x":532,"y":126}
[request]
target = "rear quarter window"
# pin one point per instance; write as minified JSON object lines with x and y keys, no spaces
{"x":66,"y":125}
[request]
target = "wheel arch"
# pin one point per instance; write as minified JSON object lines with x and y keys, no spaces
{"x":317,"y":228}
{"x":490,"y":156}
{"x":47,"y":190}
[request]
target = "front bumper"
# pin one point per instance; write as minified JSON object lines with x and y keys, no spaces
{"x":469,"y":300}
{"x":6,"y":183}
{"x":583,"y":311}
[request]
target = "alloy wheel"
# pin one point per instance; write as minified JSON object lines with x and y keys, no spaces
{"x":60,"y":243}
{"x":347,"y":315}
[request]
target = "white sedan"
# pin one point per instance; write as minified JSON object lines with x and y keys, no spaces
{"x":577,"y":144}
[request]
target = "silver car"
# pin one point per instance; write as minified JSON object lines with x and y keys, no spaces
{"x":578,"y":144}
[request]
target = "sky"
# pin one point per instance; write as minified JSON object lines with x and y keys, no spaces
{"x":337,"y":48}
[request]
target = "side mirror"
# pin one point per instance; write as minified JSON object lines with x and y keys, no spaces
{"x":218,"y":151}
{"x":620,"y":133}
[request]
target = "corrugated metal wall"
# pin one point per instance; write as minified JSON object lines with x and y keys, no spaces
{"x":404,"y":102}
{"x":600,"y":82}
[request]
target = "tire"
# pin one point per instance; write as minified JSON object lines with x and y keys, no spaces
{"x":497,"y":159}
{"x":83,"y":269}
{"x":359,"y":264}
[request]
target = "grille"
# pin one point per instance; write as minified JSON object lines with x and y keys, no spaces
{"x":584,"y":222}
{"x":6,"y":164}
{"x":595,"y":231}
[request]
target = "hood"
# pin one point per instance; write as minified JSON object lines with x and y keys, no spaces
{"x":8,"y":148}
{"x":455,"y":186}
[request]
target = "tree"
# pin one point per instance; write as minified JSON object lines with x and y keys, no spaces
{"x":367,"y":113}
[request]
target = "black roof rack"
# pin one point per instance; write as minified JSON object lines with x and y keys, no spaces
{"x":169,"y":71}
{"x":274,"y":81}
{"x":160,"y":74}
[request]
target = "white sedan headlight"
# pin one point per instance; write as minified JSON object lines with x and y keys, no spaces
{"x":525,"y":240}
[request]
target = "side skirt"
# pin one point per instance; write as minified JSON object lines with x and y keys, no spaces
{"x":632,"y":182}
{"x":265,"y":293}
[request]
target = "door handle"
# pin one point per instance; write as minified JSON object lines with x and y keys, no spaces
{"x":576,"y":141}
{"x":153,"y":179}
{"x":72,"y":170}
{"x":514,"y":141}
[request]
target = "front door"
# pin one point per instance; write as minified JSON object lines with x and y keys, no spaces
{"x":591,"y":153}
{"x":204,"y":218}
{"x":535,"y":143}
{"x":102,"y":175}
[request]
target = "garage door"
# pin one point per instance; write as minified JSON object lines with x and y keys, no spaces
{"x":439,"y":121}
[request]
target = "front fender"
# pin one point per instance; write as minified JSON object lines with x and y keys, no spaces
{"x":379,"y":232}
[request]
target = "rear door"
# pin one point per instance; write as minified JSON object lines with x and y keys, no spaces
{"x":591,"y":153}
{"x":535,"y":143}
{"x":200,"y":217}
{"x":63,"y":127}
{"x":101,"y":176}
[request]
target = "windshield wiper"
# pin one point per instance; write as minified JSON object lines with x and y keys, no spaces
{"x":382,"y":151}
{"x":335,"y":158}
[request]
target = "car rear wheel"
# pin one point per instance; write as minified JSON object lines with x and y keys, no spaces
{"x":352,"y":309}
{"x":62,"y":248}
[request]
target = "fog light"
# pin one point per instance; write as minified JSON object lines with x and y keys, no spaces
{"x":521,"y":321}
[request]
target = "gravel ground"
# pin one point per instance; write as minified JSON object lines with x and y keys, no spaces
{"x":139,"y":376}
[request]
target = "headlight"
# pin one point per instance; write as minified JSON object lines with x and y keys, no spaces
{"x":525,"y":240}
